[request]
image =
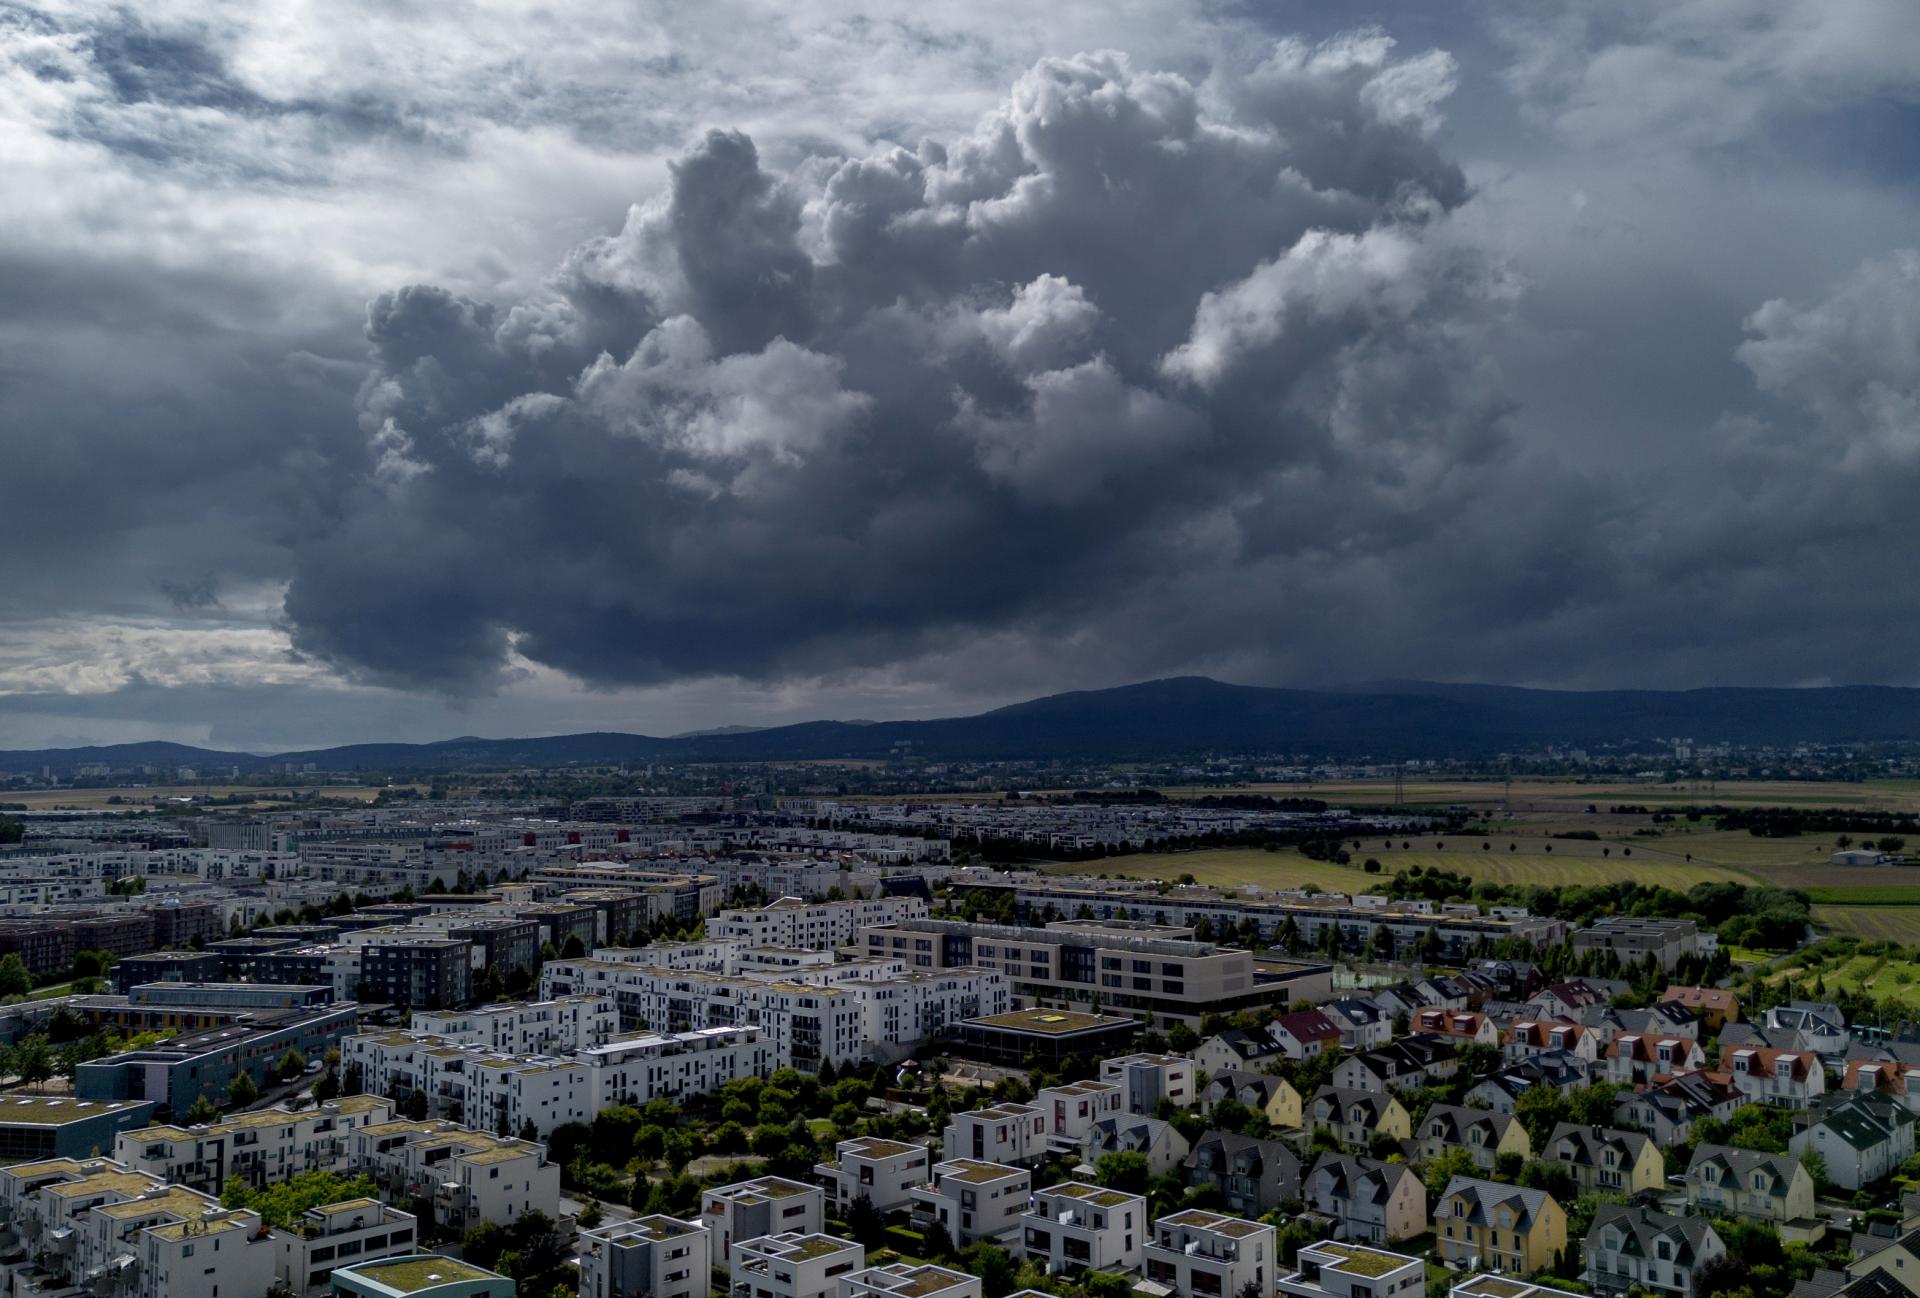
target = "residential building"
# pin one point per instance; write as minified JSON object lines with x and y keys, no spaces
{"x":1485,"y":1135}
{"x":1862,"y":1135}
{"x":362,"y":1229}
{"x":766,"y":1205}
{"x":821,"y":925}
{"x":1366,"y":1200}
{"x":1604,"y":1160}
{"x":973,"y":1201}
{"x":1715,"y":1007}
{"x":1485,"y":1224}
{"x":1355,"y":1117}
{"x":1667,"y":1110}
{"x":910,"y":1280}
{"x":1458,"y":1026}
{"x":1330,"y":1269}
{"x":1634,"y":1059}
{"x":1001,"y":1133}
{"x":1530,"y":1038}
{"x":635,"y":1070}
{"x":1075,"y":1227}
{"x":792,"y":1265}
{"x":1072,"y":1108}
{"x":1404,"y":1065}
{"x":417,"y":971}
{"x":1164,"y":1148}
{"x":1253,"y":1176}
{"x":421,"y":1275}
{"x":1200,"y":1254}
{"x":1818,"y":1027}
{"x":883,"y":1172}
{"x":1363,"y":1025}
{"x":1631,"y":1247}
{"x":1304,"y":1034}
{"x":526,"y":1027}
{"x":1743,"y":1183}
{"x":469,"y":1176}
{"x":258,"y":1148}
{"x":646,"y":1257}
{"x":1501,"y":1089}
{"x":1151,"y":1080}
{"x":1234,"y":1049}
{"x":1262,"y":1092}
{"x":1787,"y":1078}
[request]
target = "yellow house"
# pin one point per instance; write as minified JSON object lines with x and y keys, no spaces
{"x":1607,"y":1161}
{"x":1484,"y":1134}
{"x":1354,"y":1116}
{"x":1499,"y":1227}
{"x":1273,"y":1096}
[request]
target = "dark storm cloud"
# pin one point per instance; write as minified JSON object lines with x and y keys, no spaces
{"x":782,"y":423}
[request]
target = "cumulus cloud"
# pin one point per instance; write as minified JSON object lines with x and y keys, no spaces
{"x":906,"y":358}
{"x":784,"y":419}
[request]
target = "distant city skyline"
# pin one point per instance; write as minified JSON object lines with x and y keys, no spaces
{"x":386,"y":375}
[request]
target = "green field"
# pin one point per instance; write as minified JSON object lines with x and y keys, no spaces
{"x":1875,"y":976}
{"x":1891,"y":894}
{"x":1872,"y":923}
{"x":1288,"y":869}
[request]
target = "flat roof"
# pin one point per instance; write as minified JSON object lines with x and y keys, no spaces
{"x":412,"y":1274}
{"x":976,"y":1171}
{"x":1098,"y":1195}
{"x":1048,"y":1022}
{"x":53,"y":1111}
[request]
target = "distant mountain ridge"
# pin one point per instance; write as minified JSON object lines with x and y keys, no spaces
{"x":1179,"y":715}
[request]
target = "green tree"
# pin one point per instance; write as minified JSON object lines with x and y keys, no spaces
{"x":14,"y":978}
{"x":202,"y":1111}
{"x":995,"y":1267}
{"x":415,"y":1106}
{"x":573,"y":948}
{"x":242,"y":1090}
{"x":284,"y":1203}
{"x":1122,"y":1170}
{"x":292,"y":1064}
{"x":1441,"y":1171}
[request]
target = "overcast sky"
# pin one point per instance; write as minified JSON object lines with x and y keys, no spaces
{"x":395,"y":371}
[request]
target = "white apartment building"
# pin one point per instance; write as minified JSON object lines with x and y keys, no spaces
{"x":863,"y":1009}
{"x":1078,"y":1227}
{"x":355,"y":1230}
{"x":485,"y":1087}
{"x":1335,"y":1270}
{"x":883,"y":1172}
{"x":791,"y":922}
{"x":526,"y":1027}
{"x":1201,"y":1254}
{"x":646,"y":1257}
{"x":793,"y":1265}
{"x":471,"y":1176}
{"x":973,"y":1200}
{"x":259,"y":1149}
{"x":1073,"y":1107}
{"x":652,"y":1066}
{"x":1000,"y":1133}
{"x":1149,"y":1079}
{"x":908,"y":1280}
{"x":767,"y":1205}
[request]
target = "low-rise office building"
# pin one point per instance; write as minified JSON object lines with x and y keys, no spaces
{"x":175,"y":1073}
{"x":44,"y":1126}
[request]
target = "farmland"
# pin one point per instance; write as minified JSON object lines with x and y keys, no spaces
{"x":130,"y":799}
{"x":1872,"y":923}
